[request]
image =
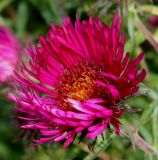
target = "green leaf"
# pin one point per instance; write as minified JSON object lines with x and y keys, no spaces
{"x":22,"y":18}
{"x":4,"y":3}
{"x":129,"y":132}
{"x":140,"y":38}
{"x":131,"y":28}
{"x":100,"y":147}
{"x":155,"y":123}
{"x":49,"y":10}
{"x":152,"y":9}
{"x":147,"y":114}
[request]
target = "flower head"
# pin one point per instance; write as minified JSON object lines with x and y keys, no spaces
{"x":9,"y":50}
{"x":153,"y":21}
{"x":76,"y":78}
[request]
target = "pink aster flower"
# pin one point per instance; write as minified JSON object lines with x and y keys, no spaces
{"x":76,"y":78}
{"x":9,"y":50}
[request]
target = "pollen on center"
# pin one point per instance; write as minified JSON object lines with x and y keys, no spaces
{"x":79,"y":82}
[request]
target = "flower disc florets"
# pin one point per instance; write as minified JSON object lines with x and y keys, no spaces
{"x":79,"y":82}
{"x":75,"y":80}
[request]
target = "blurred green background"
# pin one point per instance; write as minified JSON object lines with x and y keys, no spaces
{"x":30,"y":18}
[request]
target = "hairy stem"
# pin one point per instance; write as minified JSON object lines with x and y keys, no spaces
{"x":142,"y":144}
{"x":100,"y":147}
{"x":101,"y":155}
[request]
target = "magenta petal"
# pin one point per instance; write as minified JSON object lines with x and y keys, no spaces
{"x":12,"y":97}
{"x":85,"y":123}
{"x":50,"y":132}
{"x":43,"y":140}
{"x":78,"y":106}
{"x":110,"y":76}
{"x":9,"y":51}
{"x":104,"y":114}
{"x":69,"y":140}
{"x":96,"y":100}
{"x":35,"y":126}
{"x":94,"y":127}
{"x":72,"y":115}
{"x":79,"y":129}
{"x":79,"y":116}
{"x":97,"y":132}
{"x":61,"y":137}
{"x":95,"y":107}
{"x":112,"y":89}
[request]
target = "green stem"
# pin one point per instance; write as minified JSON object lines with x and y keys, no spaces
{"x":100,"y":147}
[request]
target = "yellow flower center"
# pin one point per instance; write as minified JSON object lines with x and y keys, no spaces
{"x":79,"y":82}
